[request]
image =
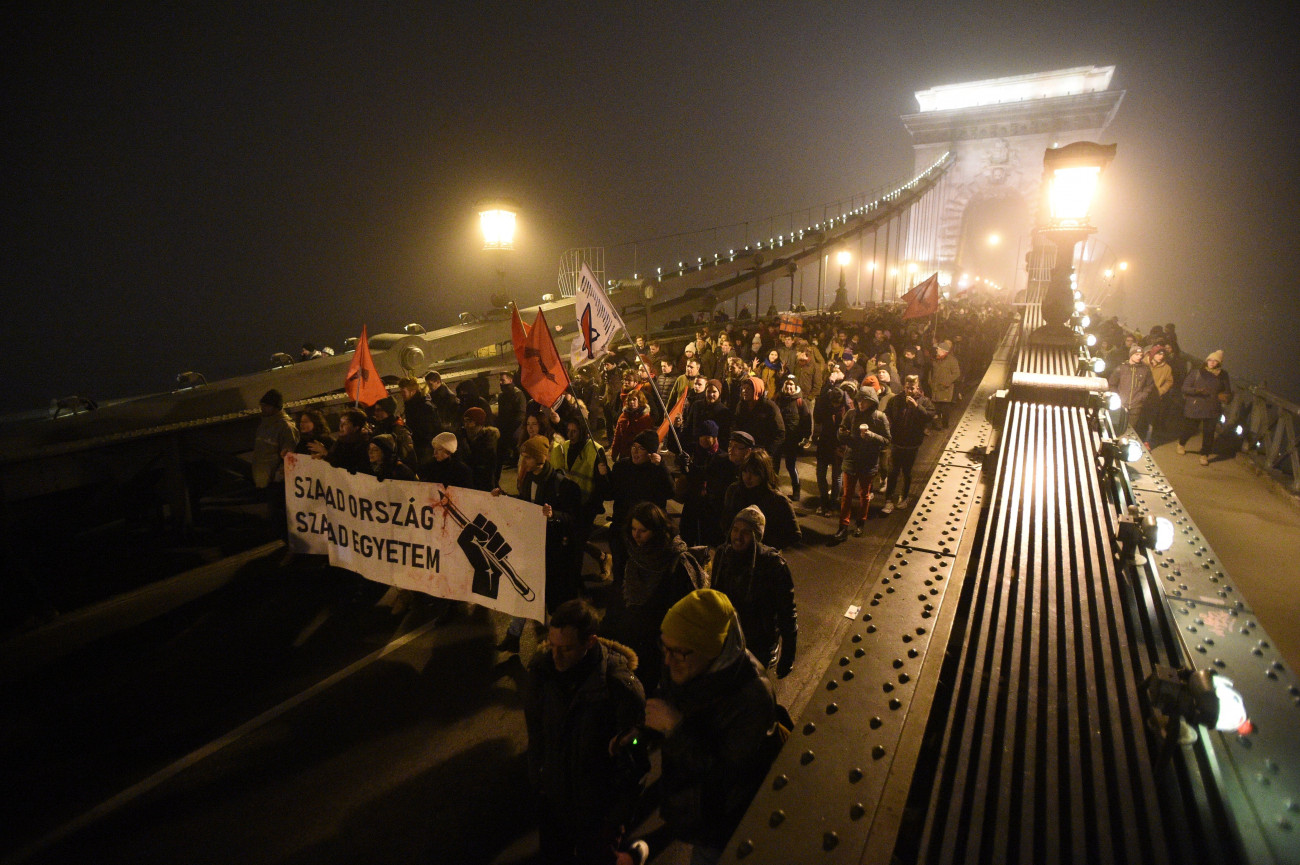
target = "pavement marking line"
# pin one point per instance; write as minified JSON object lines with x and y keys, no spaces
{"x":136,"y":790}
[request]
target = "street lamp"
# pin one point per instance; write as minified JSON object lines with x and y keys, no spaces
{"x":496,"y":218}
{"x":1070,"y":177}
{"x":842,"y":293}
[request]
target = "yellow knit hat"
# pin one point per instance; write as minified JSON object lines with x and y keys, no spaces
{"x":700,"y":621}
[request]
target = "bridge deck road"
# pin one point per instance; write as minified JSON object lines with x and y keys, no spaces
{"x":287,"y":717}
{"x":1253,"y":527}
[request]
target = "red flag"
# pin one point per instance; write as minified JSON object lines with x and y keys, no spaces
{"x":363,"y":383}
{"x":923,"y":299}
{"x":673,"y":414}
{"x":541,"y":373}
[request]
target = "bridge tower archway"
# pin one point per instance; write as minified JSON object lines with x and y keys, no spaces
{"x":998,"y":130}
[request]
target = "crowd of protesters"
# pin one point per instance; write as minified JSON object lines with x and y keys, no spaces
{"x":699,"y":616}
{"x":1166,"y":395}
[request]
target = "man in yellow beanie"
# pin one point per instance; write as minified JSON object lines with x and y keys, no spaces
{"x":717,"y":713}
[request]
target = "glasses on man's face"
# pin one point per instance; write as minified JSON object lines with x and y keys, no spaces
{"x":675,"y":653}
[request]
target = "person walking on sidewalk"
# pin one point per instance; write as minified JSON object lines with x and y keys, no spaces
{"x":1206,"y":392}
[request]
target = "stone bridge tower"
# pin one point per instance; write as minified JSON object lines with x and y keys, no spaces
{"x":998,"y":130}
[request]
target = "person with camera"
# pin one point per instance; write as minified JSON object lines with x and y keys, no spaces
{"x":717,"y":716}
{"x":582,"y":696}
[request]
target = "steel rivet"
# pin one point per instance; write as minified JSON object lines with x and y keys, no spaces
{"x":829,"y":840}
{"x":855,"y":775}
{"x":780,"y":781}
{"x":832,"y":708}
{"x":878,"y":752}
{"x":807,"y":757}
{"x":875,"y":722}
{"x":744,"y":848}
{"x":777,"y":818}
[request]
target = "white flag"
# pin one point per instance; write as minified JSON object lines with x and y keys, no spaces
{"x":598,"y":321}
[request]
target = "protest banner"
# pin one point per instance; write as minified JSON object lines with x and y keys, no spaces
{"x":448,"y":542}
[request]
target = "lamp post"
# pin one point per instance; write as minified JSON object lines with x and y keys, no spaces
{"x":497,"y":220}
{"x":842,"y":293}
{"x":1070,"y":176}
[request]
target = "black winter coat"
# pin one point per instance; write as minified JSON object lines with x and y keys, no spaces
{"x":907,"y":422}
{"x":715,"y":759}
{"x":763,"y":595}
{"x":782,"y":528}
{"x":571,"y":718}
{"x":761,"y":419}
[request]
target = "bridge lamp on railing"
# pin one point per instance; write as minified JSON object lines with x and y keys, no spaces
{"x":1182,"y":698}
{"x":1137,"y":531}
{"x":842,"y":293}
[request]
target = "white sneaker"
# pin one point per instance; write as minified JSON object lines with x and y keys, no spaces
{"x":904,"y":502}
{"x":889,"y":507}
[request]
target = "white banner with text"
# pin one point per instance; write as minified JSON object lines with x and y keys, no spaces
{"x":445,"y":541}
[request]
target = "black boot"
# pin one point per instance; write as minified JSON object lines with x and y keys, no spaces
{"x":841,"y":536}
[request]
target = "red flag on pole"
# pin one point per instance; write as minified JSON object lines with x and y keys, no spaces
{"x":923,"y":299}
{"x":363,"y":383}
{"x":541,"y":373}
{"x":673,"y":414}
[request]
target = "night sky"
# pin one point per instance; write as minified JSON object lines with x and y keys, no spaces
{"x":197,"y":186}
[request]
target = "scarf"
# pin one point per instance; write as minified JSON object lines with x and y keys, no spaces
{"x":646,"y":568}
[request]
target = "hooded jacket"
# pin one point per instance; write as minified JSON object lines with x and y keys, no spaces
{"x":571,"y":718}
{"x":863,"y":450}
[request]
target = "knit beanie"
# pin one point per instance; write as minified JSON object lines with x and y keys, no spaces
{"x":537,"y":447}
{"x":700,"y":621}
{"x":385,"y":443}
{"x":946,"y":345}
{"x":713,"y":382}
{"x":447,"y":441}
{"x":753,"y":516}
{"x":1216,"y":355}
{"x":759,"y":387}
{"x":477,"y":415}
{"x":272,"y":398}
{"x":648,"y":439}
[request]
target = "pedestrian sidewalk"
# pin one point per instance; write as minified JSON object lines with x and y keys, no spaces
{"x":1253,"y":526}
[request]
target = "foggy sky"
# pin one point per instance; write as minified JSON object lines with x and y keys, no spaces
{"x":196,"y":188}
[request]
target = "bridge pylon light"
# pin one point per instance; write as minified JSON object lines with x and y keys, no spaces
{"x":1071,"y":177}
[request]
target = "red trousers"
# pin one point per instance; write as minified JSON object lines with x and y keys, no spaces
{"x":863,"y":485}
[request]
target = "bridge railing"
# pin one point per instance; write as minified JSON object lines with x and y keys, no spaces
{"x":1269,"y":424}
